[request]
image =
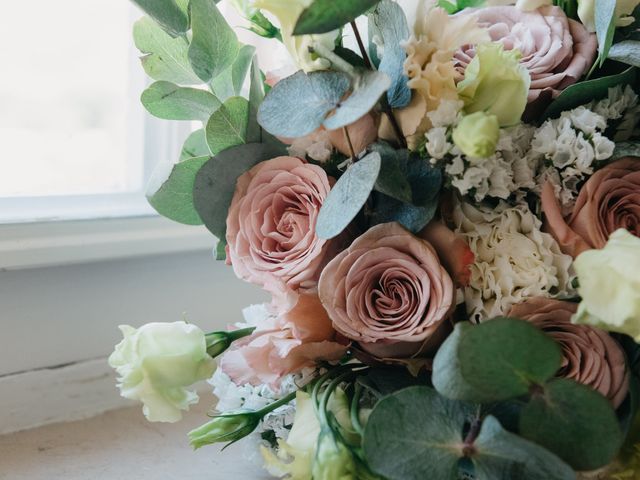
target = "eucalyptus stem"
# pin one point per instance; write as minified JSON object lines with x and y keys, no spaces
{"x":348,"y":138}
{"x":361,"y":46}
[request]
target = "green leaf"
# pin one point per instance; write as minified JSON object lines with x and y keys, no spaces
{"x":584,"y":92}
{"x":174,"y":198}
{"x":165,"y":57}
{"x":605,"y":15}
{"x":227,"y":127}
{"x":167,"y":13}
{"x":297,"y":105}
{"x":388,"y":24}
{"x":494,"y":361}
{"x":195,"y":146}
{"x":169,"y":101}
{"x":415,"y":434}
{"x":573,"y":421}
{"x":348,"y":196}
{"x":625,"y":149}
{"x":256,"y":96}
{"x":392,"y":180}
{"x":230,"y":82}
{"x":501,"y":455}
{"x":368,"y":89}
{"x":216,"y":182}
{"x":627,"y":51}
{"x":214,"y":45}
{"x":323,"y":16}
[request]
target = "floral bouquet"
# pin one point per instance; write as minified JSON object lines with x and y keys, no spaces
{"x":443,"y":201}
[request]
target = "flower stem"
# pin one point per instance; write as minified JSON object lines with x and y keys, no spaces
{"x":363,"y":50}
{"x":238,"y":334}
{"x":272,"y":406}
{"x":348,"y":138}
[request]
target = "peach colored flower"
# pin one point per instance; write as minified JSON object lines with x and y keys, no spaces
{"x":271,"y":225}
{"x":388,"y":291}
{"x":609,"y":200}
{"x":589,"y":356}
{"x":283,"y":343}
{"x":556,"y":50}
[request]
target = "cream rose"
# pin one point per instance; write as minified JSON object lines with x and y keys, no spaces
{"x":271,"y":225}
{"x":388,"y":291}
{"x":589,"y":355}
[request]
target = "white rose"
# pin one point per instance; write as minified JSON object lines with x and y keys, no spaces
{"x":157,"y":362}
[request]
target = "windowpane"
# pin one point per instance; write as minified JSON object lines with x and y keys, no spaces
{"x":70,"y":122}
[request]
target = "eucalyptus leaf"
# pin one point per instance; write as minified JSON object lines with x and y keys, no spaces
{"x":230,"y":82}
{"x":497,"y":360}
{"x":348,"y":196}
{"x":195,"y":145}
{"x":625,"y":149}
{"x":169,"y":101}
{"x":256,"y":96}
{"x":227,"y":127}
{"x":368,"y":88}
{"x":627,"y":51}
{"x":392,"y":180}
{"x":574,"y":422}
{"x":500,"y":455}
{"x":216,"y":182}
{"x":174,"y":198}
{"x":214,"y":45}
{"x":297,"y":105}
{"x":167,"y":13}
{"x":415,"y":434}
{"x":388,"y":24}
{"x":164,"y":57}
{"x":323,"y":16}
{"x":584,"y":92}
{"x":605,"y":26}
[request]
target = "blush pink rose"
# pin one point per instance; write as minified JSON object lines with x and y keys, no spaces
{"x":284,"y":343}
{"x":388,"y":291}
{"x":589,"y":356}
{"x":556,"y":50}
{"x":271,"y":232}
{"x":609,"y":200}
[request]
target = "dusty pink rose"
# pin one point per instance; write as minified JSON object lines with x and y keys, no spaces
{"x":556,"y":50}
{"x":609,"y":200}
{"x":271,"y":232}
{"x":284,"y":343}
{"x":589,"y":356}
{"x":387,"y":291}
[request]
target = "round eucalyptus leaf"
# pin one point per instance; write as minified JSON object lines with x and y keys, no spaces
{"x":195,"y":145}
{"x":348,"y":196}
{"x":227,"y":126}
{"x":573,"y":421}
{"x":494,"y":361}
{"x":168,"y":101}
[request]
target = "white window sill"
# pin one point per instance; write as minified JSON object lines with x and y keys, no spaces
{"x":62,"y":243}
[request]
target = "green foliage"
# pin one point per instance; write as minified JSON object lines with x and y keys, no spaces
{"x":227,"y":127}
{"x":456,"y":6}
{"x":605,"y":20}
{"x":389,"y":24}
{"x":171,"y":102}
{"x":301,"y":103}
{"x":584,"y":92}
{"x":573,"y":421}
{"x":216,"y":182}
{"x":348,"y":196}
{"x":627,"y":51}
{"x":496,"y":360}
{"x":230,"y":82}
{"x":164,"y":57}
{"x":326,"y":15}
{"x":173,"y":19}
{"x":392,"y":180}
{"x":174,"y":198}
{"x":256,"y":96}
{"x":214,"y":45}
{"x":626,"y":149}
{"x":195,"y":146}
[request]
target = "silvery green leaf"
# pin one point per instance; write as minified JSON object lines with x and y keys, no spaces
{"x":214,"y":44}
{"x":230,"y":82}
{"x":627,"y":51}
{"x":171,"y":17}
{"x":626,"y":149}
{"x":605,"y":27}
{"x":195,"y":145}
{"x":348,"y":196}
{"x":164,"y":57}
{"x":388,"y":24}
{"x":256,"y":96}
{"x":169,"y":101}
{"x":297,"y":105}
{"x":227,"y":126}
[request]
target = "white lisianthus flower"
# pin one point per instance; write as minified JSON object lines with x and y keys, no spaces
{"x":610,"y":285}
{"x":514,"y":260}
{"x":287,"y":12}
{"x":157,"y":362}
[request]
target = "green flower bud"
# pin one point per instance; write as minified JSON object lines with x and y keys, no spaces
{"x":218,"y":342}
{"x":334,"y":460}
{"x":477,"y":135}
{"x":225,"y":428}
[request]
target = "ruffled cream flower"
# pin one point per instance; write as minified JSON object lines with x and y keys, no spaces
{"x":514,"y":260}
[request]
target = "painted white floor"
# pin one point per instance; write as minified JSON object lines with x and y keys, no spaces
{"x":122,"y":445}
